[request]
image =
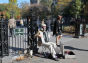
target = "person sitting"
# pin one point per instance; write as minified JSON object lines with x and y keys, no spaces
{"x":45,"y":33}
{"x":50,"y":45}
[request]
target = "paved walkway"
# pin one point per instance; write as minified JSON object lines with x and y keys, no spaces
{"x":78,"y":46}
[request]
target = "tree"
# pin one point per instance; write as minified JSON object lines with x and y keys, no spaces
{"x":54,"y":10}
{"x":75,"y":11}
{"x":14,"y":2}
{"x":10,"y":9}
{"x":3,"y":10}
{"x":13,"y":9}
{"x":38,"y":10}
{"x":85,"y":9}
{"x":62,"y":5}
{"x":47,"y":3}
{"x":24,"y":6}
{"x":76,"y":8}
{"x":2,"y":7}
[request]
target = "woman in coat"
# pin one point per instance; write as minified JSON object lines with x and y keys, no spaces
{"x":57,"y":28}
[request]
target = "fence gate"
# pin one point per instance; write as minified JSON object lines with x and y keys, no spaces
{"x":4,"y":38}
{"x":12,"y":44}
{"x":18,"y":41}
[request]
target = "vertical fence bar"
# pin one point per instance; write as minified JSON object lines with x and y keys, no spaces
{"x":7,"y":36}
{"x":8,"y":40}
{"x":12,"y":43}
{"x":23,"y":42}
{"x":20,"y":41}
{"x":15,"y":44}
{"x":25,"y":38}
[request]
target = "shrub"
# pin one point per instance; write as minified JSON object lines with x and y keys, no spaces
{"x":69,"y":29}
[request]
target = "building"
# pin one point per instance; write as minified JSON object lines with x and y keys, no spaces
{"x":61,"y":3}
{"x":34,"y":1}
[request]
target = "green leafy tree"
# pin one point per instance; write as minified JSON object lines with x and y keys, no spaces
{"x":73,"y":9}
{"x":76,"y":8}
{"x":13,"y":2}
{"x":3,"y":9}
{"x":13,"y":9}
{"x":10,"y":9}
{"x":54,"y":11}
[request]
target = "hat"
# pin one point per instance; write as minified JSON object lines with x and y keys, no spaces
{"x":43,"y":24}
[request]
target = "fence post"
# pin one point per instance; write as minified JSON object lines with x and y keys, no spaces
{"x":32,"y":29}
{"x":3,"y":38}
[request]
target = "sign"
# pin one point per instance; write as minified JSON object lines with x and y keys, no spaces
{"x":18,"y":31}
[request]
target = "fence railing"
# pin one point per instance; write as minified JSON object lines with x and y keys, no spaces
{"x":4,"y":37}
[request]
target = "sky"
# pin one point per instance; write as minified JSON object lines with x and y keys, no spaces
{"x":19,"y":1}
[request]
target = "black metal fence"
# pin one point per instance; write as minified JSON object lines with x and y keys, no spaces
{"x":15,"y":43}
{"x":3,"y":37}
{"x":18,"y":41}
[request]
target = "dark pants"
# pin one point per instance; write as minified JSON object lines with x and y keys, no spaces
{"x":11,"y":31}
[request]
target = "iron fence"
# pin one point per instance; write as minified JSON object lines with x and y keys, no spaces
{"x":12,"y":44}
{"x":18,"y":41}
{"x":3,"y":37}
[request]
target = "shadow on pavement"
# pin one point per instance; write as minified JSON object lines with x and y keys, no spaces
{"x":73,"y":48}
{"x":15,"y":48}
{"x":68,"y":36}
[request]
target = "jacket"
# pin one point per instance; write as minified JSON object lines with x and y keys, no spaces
{"x":57,"y":27}
{"x":12,"y":23}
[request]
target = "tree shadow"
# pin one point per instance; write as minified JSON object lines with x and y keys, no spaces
{"x":16,"y":49}
{"x":68,"y":36}
{"x":73,"y":48}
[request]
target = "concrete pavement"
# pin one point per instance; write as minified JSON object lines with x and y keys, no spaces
{"x":78,"y":46}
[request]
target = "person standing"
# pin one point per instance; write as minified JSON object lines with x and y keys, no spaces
{"x":11,"y":25}
{"x":57,"y":28}
{"x":21,"y":23}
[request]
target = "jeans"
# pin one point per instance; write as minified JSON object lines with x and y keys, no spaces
{"x":11,"y":31}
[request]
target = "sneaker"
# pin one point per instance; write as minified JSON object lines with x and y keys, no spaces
{"x":58,"y":45}
{"x":56,"y":59}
